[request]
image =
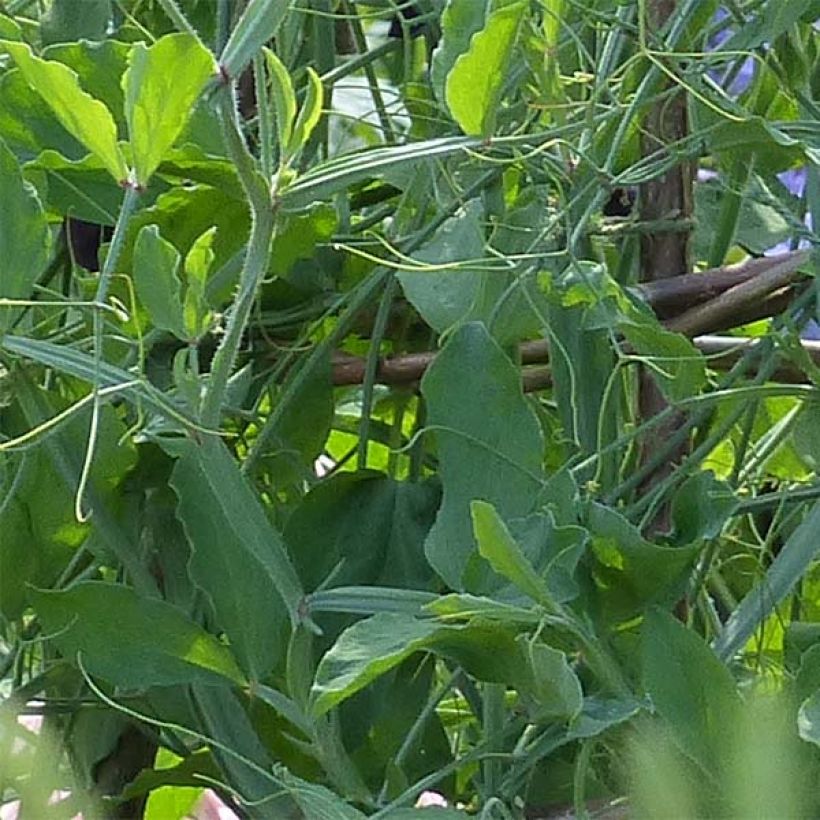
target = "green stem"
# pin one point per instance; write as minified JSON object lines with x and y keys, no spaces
{"x":493,"y":704}
{"x":179,"y":20}
{"x":129,"y":204}
{"x":263,"y":220}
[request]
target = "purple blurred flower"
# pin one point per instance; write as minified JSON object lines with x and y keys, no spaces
{"x":734,"y":82}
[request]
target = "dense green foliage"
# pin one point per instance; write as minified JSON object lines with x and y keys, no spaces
{"x":278,"y":516}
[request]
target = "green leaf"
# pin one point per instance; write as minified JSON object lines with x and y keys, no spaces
{"x":198,"y":262}
{"x":363,"y":653}
{"x":791,"y":563}
{"x":630,"y":572}
{"x":363,"y":528}
{"x":445,"y":296}
{"x":84,"y":117}
{"x":599,"y":714}
{"x":239,"y":558}
{"x":24,"y":236}
{"x":676,"y":365}
{"x":474,"y":85}
{"x":130,"y":640}
{"x":309,"y":113}
{"x":505,"y":556}
{"x":701,"y":507}
{"x":156,"y":263}
{"x":284,"y":99}
{"x":489,"y":447}
{"x":161,"y":85}
{"x":18,"y":561}
{"x":690,"y":688}
{"x":68,"y":20}
{"x":258,"y":24}
{"x":460,"y":20}
{"x":557,"y":690}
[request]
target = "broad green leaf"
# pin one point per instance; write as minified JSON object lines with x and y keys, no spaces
{"x":630,"y":572}
{"x":198,"y":262}
{"x":444,"y":297}
{"x":701,"y":507}
{"x":239,"y":558}
{"x":161,"y":85}
{"x":364,"y":652}
{"x":99,"y":67}
{"x":557,"y":691}
{"x":84,"y":117}
{"x":130,"y":640}
{"x":24,"y":236}
{"x":676,"y":365}
{"x":316,"y":801}
{"x":490,"y":651}
{"x":791,"y":563}
{"x":165,"y":800}
{"x":284,"y":98}
{"x":9,"y":29}
{"x":460,"y":20}
{"x":309,"y":113}
{"x":599,"y":714}
{"x":257,"y":25}
{"x":156,"y":263}
{"x":18,"y":561}
{"x":69,"y":20}
{"x":690,"y":688}
{"x":499,"y":548}
{"x":363,"y":528}
{"x":474,"y":85}
{"x":489,"y":447}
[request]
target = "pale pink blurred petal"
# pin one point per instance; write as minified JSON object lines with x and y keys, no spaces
{"x":210,"y":807}
{"x":430,"y":799}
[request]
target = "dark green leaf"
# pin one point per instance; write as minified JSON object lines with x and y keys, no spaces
{"x":156,"y":264}
{"x":130,"y":640}
{"x":489,"y":445}
{"x":24,"y":236}
{"x":690,"y":688}
{"x":239,"y":558}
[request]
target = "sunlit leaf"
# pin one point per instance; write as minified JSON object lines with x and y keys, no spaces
{"x":474,"y":85}
{"x":84,"y":117}
{"x":161,"y":84}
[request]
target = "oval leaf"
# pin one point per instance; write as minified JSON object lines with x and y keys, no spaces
{"x":84,"y":117}
{"x":132,"y":641}
{"x":473,"y":87}
{"x":161,"y":85}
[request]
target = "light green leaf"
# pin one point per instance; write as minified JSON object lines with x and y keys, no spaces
{"x":309,"y":113}
{"x":460,"y":20}
{"x":239,"y":558}
{"x":284,"y":99}
{"x":198,"y":262}
{"x":364,"y":652}
{"x":489,"y":447}
{"x":258,"y":24}
{"x":161,"y":85}
{"x":84,"y":117}
{"x":499,"y":548}
{"x":473,"y":87}
{"x":24,"y":236}
{"x":156,"y":263}
{"x":690,"y":688}
{"x":130,"y":640}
